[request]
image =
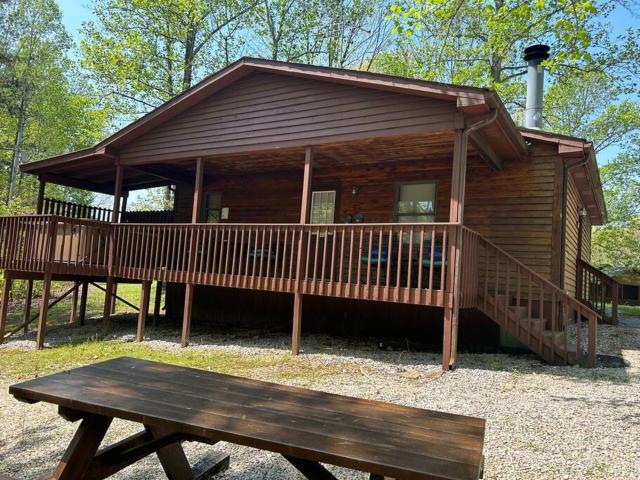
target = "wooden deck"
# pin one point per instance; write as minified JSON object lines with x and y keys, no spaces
{"x":401,"y":263}
{"x":307,"y":427}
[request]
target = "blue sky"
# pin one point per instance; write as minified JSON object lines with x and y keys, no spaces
{"x":77,"y":11}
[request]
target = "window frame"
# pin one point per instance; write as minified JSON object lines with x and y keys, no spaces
{"x":396,"y":201}
{"x":335,"y":205}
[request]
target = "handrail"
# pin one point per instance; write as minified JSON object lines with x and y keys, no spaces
{"x":529,"y":306}
{"x":596,"y":288}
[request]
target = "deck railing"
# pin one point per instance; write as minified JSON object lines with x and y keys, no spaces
{"x":53,"y":244}
{"x":388,"y":262}
{"x":51,"y":206}
{"x":597,"y":290}
{"x":528,"y":306}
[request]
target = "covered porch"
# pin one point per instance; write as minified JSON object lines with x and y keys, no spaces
{"x":328,"y":221}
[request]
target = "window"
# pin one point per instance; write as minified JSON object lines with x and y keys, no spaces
{"x":213,"y":207}
{"x":416,"y":203}
{"x":323,"y":206}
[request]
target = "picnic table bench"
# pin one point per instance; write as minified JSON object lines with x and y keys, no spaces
{"x":176,"y":404}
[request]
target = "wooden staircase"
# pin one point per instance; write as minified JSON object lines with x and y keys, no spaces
{"x":553,"y":324}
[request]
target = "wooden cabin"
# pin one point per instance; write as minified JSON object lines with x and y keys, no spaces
{"x":307,"y":186}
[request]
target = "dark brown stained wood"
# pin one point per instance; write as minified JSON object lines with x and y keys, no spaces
{"x":4,"y":303}
{"x":144,"y":309}
{"x":384,"y":439}
{"x":574,"y":205}
{"x":77,"y":459}
{"x":266,"y":110}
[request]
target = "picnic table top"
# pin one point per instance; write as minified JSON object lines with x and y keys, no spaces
{"x":382,"y":438}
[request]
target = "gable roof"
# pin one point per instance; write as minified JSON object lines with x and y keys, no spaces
{"x":475,"y":102}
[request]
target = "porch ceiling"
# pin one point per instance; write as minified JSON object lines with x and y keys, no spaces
{"x":97,"y":173}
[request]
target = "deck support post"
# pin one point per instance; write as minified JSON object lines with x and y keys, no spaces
{"x":26,"y":316}
{"x":44,"y":310}
{"x":305,"y":205}
{"x":144,"y":309}
{"x":83,"y":302}
{"x":73,"y":316}
{"x":4,"y":303}
{"x":189,"y":287}
{"x":115,"y":218}
{"x":123,"y":209}
{"x":456,"y":210}
{"x":157,"y":302}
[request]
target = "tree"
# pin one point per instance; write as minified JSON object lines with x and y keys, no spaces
{"x":616,"y":245}
{"x":34,"y":42}
{"x":588,"y":105}
{"x":480,"y":42}
{"x":336,"y":33}
{"x":44,"y":109}
{"x":144,"y":52}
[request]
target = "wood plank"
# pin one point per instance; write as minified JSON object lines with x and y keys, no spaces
{"x":362,"y":444}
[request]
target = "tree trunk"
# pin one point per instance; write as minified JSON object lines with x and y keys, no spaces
{"x":17,"y":150}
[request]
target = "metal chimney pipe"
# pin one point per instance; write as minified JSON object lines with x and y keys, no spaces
{"x":534,"y":56}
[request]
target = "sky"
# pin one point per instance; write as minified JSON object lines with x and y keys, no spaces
{"x":77,"y":11}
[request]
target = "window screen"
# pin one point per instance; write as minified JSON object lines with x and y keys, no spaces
{"x":416,"y":203}
{"x":323,"y":205}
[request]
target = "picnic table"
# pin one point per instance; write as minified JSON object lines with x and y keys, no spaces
{"x":176,"y":404}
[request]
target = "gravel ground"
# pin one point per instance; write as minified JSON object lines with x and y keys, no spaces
{"x":543,"y":422}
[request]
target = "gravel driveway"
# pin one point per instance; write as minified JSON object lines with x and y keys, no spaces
{"x":543,"y":422}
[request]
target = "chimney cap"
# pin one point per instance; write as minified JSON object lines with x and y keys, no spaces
{"x":536,"y":52}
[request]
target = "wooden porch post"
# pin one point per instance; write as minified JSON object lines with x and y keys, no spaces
{"x":157,"y":302}
{"x":73,"y":316}
{"x":304,"y":218}
{"x":29,"y":296}
{"x":456,"y":210}
{"x":195,"y":217}
{"x":115,"y":216}
{"x":123,"y":209}
{"x":83,"y":302}
{"x":4,"y":303}
{"x":44,"y":310}
{"x":144,"y":309}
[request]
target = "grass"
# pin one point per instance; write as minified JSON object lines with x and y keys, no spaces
{"x":59,"y":314}
{"x":19,"y":364}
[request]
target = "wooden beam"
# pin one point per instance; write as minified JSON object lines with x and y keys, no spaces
{"x":105,"y":188}
{"x":73,"y":316}
{"x":117,"y":195}
{"x":144,"y":308}
{"x":106,"y":311}
{"x":4,"y":303}
{"x":169,"y":173}
{"x":186,"y":314}
{"x":27,"y":307}
{"x":80,"y":453}
{"x":304,"y":218}
{"x":83,"y":302}
{"x":41,"y":188}
{"x":456,"y":215}
{"x":197,"y":192}
{"x":486,"y":151}
{"x":44,"y":310}
{"x":157,"y":303}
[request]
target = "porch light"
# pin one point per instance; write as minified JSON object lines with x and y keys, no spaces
{"x":583,"y":212}
{"x":355,"y":190}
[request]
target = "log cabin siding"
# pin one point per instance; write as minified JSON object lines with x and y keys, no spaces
{"x":276,"y":197}
{"x":574,"y":205}
{"x":265,"y":111}
{"x":512,"y":207}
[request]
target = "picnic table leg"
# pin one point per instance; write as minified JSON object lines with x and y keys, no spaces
{"x":172,"y":458}
{"x":311,"y":470}
{"x":77,"y":459}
